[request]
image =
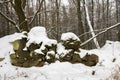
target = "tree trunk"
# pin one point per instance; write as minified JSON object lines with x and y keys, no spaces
{"x":80,"y":25}
{"x":23,"y":24}
{"x":90,"y":26}
{"x":92,"y":20}
{"x":117,"y":16}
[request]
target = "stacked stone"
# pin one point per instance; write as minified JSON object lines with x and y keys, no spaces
{"x":36,"y":49}
{"x":27,"y":56}
{"x":71,"y":43}
{"x":90,"y":59}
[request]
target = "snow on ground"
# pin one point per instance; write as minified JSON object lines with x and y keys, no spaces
{"x":109,"y":56}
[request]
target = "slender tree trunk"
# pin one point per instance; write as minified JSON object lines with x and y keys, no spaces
{"x":80,"y":25}
{"x":57,"y":18}
{"x":117,"y":16}
{"x":107,"y":14}
{"x":92,"y":20}
{"x":90,"y":26}
{"x":45,"y":13}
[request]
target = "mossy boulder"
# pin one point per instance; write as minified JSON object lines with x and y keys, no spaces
{"x":16,"y":61}
{"x":27,"y":61}
{"x":50,"y":57}
{"x":70,"y":41}
{"x":33,"y":46}
{"x":90,"y":59}
{"x":71,"y":44}
{"x":71,"y":57}
{"x":51,"y":47}
{"x":76,"y":58}
{"x":71,"y":47}
{"x":19,"y":44}
{"x":48,"y":48}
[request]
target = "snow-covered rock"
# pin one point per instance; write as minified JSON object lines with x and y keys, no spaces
{"x":69,"y":35}
{"x":109,"y":62}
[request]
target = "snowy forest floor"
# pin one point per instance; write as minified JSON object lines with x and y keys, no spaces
{"x":108,"y":67}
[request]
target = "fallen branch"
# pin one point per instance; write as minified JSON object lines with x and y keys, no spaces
{"x":90,"y":25}
{"x":89,"y":32}
{"x":116,"y":25}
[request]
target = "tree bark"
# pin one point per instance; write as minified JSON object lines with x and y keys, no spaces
{"x":90,"y":26}
{"x":21,"y":15}
{"x":80,"y":25}
{"x":92,"y":20}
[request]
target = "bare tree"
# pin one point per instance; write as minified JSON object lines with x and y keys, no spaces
{"x":19,"y":7}
{"x":90,"y":25}
{"x":80,"y":24}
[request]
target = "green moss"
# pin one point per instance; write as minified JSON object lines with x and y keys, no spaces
{"x":16,"y":44}
{"x":71,"y":57}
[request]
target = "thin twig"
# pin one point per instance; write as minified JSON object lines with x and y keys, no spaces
{"x":11,"y":21}
{"x":2,"y":2}
{"x":8,"y":19}
{"x":89,"y":32}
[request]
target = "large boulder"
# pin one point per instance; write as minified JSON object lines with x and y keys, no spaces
{"x":19,"y":44}
{"x":90,"y":59}
{"x":70,"y":57}
{"x":68,"y":49}
{"x":50,"y":57}
{"x":36,"y":50}
{"x":33,"y":59}
{"x":33,"y":46}
{"x":70,"y":41}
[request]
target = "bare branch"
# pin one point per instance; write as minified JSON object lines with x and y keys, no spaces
{"x":36,"y":12}
{"x":98,"y":30}
{"x":8,"y":19}
{"x":11,"y":21}
{"x":109,"y":28}
{"x":90,"y":25}
{"x":2,"y":2}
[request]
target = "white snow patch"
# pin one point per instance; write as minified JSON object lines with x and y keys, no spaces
{"x":38,"y":35}
{"x":69,"y":35}
{"x":61,"y":50}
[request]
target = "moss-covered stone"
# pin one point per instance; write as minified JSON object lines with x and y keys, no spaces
{"x":45,"y":51}
{"x":33,"y":46}
{"x":71,"y":57}
{"x":50,"y":58}
{"x":16,"y":61}
{"x":52,"y":47}
{"x":76,"y":58}
{"x":71,"y":44}
{"x":19,"y":45}
{"x":25,"y":60}
{"x":90,"y":60}
{"x":36,"y":60}
{"x":1,"y":59}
